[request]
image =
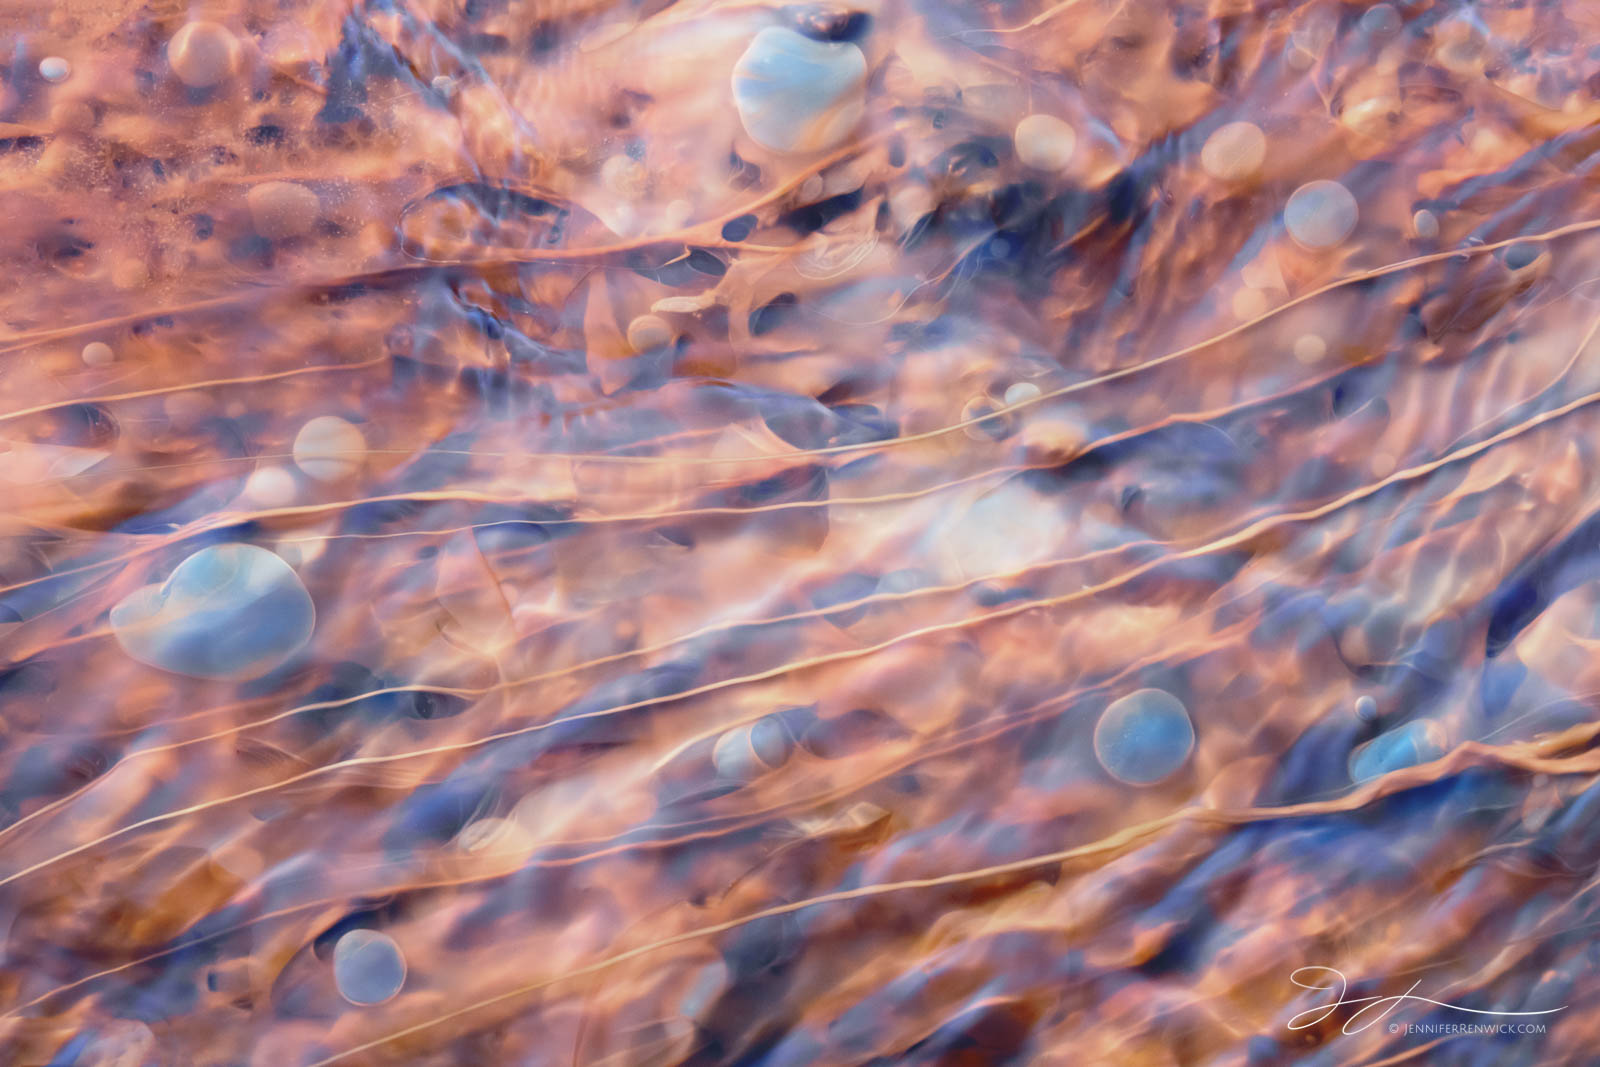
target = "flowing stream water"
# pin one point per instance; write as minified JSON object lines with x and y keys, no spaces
{"x":587,"y":532}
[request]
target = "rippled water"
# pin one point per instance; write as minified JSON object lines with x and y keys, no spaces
{"x":720,"y":533}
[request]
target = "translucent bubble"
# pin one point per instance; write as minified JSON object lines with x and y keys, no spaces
{"x":202,"y":54}
{"x":1320,"y":214}
{"x":1309,"y":348}
{"x":1418,"y":741}
{"x":1425,"y":224}
{"x":989,"y":429}
{"x":328,"y":448}
{"x":1234,"y":152}
{"x":796,"y":94}
{"x":1381,"y":20}
{"x":1006,"y":529}
{"x":270,"y":487}
{"x":54,"y":69}
{"x":368,"y":967}
{"x":648,"y":332}
{"x":98,"y":354}
{"x":282,"y":209}
{"x":1021,"y":392}
{"x":1045,"y":142}
{"x":1367,"y":709}
{"x":228,"y":612}
{"x":1144,"y":737}
{"x":747,"y":752}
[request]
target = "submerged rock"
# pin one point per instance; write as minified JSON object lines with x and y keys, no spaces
{"x":228,"y":612}
{"x":797,"y":94}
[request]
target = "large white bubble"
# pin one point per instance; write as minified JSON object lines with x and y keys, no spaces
{"x":796,"y":94}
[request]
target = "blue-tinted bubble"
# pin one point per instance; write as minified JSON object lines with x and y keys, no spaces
{"x":1320,"y":214}
{"x":747,"y":752}
{"x":1418,"y":741}
{"x":231,"y":611}
{"x":797,"y":94}
{"x":368,"y":967}
{"x":1144,"y":737}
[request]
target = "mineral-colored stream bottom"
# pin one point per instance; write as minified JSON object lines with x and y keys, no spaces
{"x":715,"y":533}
